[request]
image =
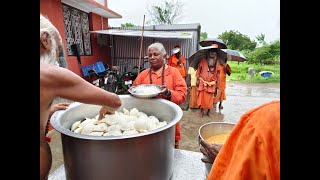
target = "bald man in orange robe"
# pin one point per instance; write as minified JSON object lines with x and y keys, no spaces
{"x":252,"y":151}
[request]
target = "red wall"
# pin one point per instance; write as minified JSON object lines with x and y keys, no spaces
{"x":100,"y":53}
{"x":53,"y":10}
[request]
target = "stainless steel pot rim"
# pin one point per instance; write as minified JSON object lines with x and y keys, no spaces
{"x":57,"y":126}
{"x":213,"y":123}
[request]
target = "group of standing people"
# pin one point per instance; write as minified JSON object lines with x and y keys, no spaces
{"x":206,"y":83}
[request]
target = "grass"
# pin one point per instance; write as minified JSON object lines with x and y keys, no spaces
{"x":240,"y":72}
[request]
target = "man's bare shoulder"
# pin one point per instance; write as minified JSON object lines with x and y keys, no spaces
{"x":49,"y":73}
{"x":45,"y":71}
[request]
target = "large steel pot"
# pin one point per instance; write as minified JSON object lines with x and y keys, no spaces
{"x":147,"y":155}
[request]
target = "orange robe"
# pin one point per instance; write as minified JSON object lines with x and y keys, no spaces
{"x":173,"y":61}
{"x":252,"y":150}
{"x":205,"y":93}
{"x":193,"y":97}
{"x":173,"y":80}
{"x":221,"y":94}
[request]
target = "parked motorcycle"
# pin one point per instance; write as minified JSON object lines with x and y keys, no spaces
{"x":97,"y":79}
{"x":111,"y":80}
{"x":128,"y":78}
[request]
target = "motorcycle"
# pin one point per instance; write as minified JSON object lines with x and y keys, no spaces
{"x":97,"y":79}
{"x":126,"y":81}
{"x":127,"y":78}
{"x":111,"y":81}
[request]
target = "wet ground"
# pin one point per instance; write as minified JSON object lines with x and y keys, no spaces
{"x":240,"y":98}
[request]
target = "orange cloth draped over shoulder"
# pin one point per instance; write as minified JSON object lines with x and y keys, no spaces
{"x":205,"y":92}
{"x":252,"y":150}
{"x":173,"y":80}
{"x":221,"y":94}
{"x":173,"y":61}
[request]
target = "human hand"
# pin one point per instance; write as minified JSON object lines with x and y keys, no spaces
{"x":105,"y":110}
{"x":210,"y":151}
{"x":58,"y":106}
{"x":165,"y":91}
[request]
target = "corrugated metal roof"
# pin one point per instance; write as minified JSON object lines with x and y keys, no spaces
{"x":154,"y":34}
{"x":163,"y":27}
{"x":125,"y":50}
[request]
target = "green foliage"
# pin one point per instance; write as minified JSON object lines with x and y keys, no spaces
{"x":237,"y":41}
{"x":167,"y":12}
{"x":203,"y":36}
{"x":267,"y":54}
{"x":240,"y":72}
{"x":260,"y":38}
{"x":127,"y":25}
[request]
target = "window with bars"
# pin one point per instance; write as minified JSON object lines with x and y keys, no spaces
{"x":76,"y":24}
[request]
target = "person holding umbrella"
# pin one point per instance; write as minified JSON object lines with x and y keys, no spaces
{"x":208,"y":78}
{"x":224,"y":69}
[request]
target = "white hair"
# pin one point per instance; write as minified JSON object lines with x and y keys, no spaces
{"x":158,"y":46}
{"x":47,"y":27}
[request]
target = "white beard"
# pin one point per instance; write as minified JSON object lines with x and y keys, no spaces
{"x":47,"y":58}
{"x":211,"y":62}
{"x":50,"y":58}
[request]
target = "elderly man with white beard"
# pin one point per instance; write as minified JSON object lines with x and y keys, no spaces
{"x":208,"y":79}
{"x":56,"y":81}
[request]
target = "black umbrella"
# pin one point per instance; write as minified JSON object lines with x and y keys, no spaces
{"x":195,"y":58}
{"x":234,"y":55}
{"x":210,"y":41}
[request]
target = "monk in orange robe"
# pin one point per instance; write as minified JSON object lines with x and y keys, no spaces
{"x":221,"y":94}
{"x":207,"y":79}
{"x":178,"y":61}
{"x":252,"y":151}
{"x":167,"y":76}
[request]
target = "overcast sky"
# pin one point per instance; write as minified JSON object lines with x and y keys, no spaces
{"x":249,"y":17}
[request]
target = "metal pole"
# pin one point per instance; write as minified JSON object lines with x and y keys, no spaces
{"x":141,"y":45}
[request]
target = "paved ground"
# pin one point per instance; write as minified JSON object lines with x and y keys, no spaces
{"x":240,"y":98}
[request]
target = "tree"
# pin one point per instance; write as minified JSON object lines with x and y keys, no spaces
{"x":260,"y":38}
{"x":127,"y":25}
{"x":203,"y":36}
{"x":269,"y":53}
{"x":237,"y":41}
{"x":169,"y":12}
